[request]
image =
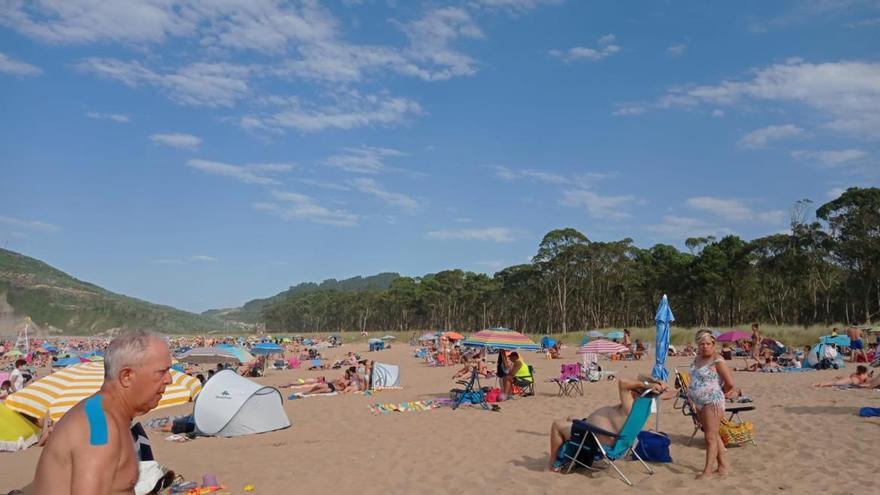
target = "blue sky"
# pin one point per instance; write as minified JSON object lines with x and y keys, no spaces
{"x":203,"y":153}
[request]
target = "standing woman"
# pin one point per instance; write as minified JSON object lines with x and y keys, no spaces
{"x":710,"y":380}
{"x":756,"y":342}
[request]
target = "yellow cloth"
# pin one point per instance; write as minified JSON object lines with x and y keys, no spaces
{"x":523,"y":373}
{"x":16,"y":432}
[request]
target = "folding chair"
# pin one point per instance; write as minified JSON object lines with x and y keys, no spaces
{"x":688,"y":408}
{"x":569,"y":380}
{"x":472,"y":392}
{"x":583,"y":432}
{"x":526,"y":386}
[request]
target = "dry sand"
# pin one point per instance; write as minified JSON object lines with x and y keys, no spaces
{"x":809,"y":440}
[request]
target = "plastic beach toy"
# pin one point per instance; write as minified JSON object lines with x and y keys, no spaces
{"x":249,"y":488}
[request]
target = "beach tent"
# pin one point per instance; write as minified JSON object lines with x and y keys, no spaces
{"x":823,"y":351}
{"x":385,"y":375}
{"x":547,"y":342}
{"x":231,"y":405}
{"x":16,"y":432}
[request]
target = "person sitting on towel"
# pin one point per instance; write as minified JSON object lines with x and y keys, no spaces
{"x":610,"y":418}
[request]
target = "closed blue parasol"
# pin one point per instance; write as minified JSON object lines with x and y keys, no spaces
{"x":664,"y":318}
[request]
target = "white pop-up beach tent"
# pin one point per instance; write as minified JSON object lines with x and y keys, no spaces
{"x":231,"y":405}
{"x":385,"y":375}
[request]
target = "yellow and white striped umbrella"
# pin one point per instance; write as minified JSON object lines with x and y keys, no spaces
{"x":60,"y":391}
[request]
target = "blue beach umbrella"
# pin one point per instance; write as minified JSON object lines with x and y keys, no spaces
{"x":664,"y":318}
{"x":617,"y":334}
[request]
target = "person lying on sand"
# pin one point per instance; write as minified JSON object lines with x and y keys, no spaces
{"x":859,"y":378}
{"x":610,"y":418}
{"x":873,"y":382}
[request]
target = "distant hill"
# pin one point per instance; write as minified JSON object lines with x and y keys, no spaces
{"x":252,"y":311}
{"x":52,"y":298}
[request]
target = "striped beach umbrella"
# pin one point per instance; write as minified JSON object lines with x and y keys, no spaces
{"x":60,"y":391}
{"x":501,"y":338}
{"x":602,"y":346}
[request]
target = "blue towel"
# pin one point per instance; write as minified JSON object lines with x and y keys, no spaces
{"x":869,"y":411}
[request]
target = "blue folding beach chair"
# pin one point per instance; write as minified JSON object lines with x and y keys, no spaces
{"x":577,"y":449}
{"x":472,"y":392}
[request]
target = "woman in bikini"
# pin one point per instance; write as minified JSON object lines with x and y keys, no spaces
{"x":707,"y":373}
{"x":856,"y":379}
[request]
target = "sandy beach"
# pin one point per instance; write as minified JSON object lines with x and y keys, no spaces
{"x":809,"y":440}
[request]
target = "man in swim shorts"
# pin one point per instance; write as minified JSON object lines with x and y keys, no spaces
{"x":856,"y":344}
{"x":91,"y":450}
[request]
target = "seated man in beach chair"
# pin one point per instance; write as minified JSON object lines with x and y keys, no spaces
{"x":610,"y":418}
{"x":520,"y":374}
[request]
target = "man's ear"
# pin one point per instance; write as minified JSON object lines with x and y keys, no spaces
{"x":126,"y":377}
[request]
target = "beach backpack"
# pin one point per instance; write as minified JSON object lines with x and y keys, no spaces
{"x":653,"y":446}
{"x":493,"y":395}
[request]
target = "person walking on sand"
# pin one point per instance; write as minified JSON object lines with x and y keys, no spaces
{"x":91,"y":450}
{"x":856,"y":344}
{"x":708,"y":372}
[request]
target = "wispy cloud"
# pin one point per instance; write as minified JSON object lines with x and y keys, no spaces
{"x":515,"y":6}
{"x":295,"y":206}
{"x":373,"y":188}
{"x":324,"y":184}
{"x":15,"y":67}
{"x":584,"y":180}
{"x":760,"y":138}
{"x":364,"y":159}
{"x":493,"y":234}
{"x":115,"y":117}
{"x":203,"y":257}
{"x":249,"y":174}
{"x":735,"y":210}
{"x":177,"y":140}
{"x":29,"y":224}
{"x":676,"y":50}
{"x":605,"y":47}
{"x":599,"y":206}
{"x":167,"y":261}
{"x":832,"y":158}
{"x":199,"y":84}
{"x":844,"y":92}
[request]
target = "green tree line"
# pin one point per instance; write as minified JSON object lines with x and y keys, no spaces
{"x":823,"y":270}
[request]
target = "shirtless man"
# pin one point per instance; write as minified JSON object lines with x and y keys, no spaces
{"x":856,"y":344}
{"x":610,"y":418}
{"x":91,"y":450}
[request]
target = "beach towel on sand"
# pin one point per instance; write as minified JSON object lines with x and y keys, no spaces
{"x":866,"y":412}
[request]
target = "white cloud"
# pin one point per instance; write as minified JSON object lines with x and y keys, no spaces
{"x":350,"y":110}
{"x":515,"y":5}
{"x":203,"y":257}
{"x":845,"y":92}
{"x":678,"y":228}
{"x":718,"y":113}
{"x":835,"y":192}
{"x":177,"y":140}
{"x":249,"y":174}
{"x":630,"y":110}
{"x":364,"y":160}
{"x":598,"y":206}
{"x":324,"y":184}
{"x":735,"y":210}
{"x":759,"y":138}
{"x":16,"y":67}
{"x":115,"y":117}
{"x":29,"y":224}
{"x":371,"y":187}
{"x":295,"y":206}
{"x":606,"y":47}
{"x":198,"y":84}
{"x":831,"y":158}
{"x":493,"y":234}
{"x":865,"y":23}
{"x":677,"y":50}
{"x":430,"y":43}
{"x":539,"y":175}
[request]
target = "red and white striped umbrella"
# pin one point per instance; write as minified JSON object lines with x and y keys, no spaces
{"x":602,"y":346}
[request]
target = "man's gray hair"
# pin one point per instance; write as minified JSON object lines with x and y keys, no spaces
{"x":127,"y":350}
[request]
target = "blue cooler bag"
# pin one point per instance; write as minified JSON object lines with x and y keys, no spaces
{"x":653,"y":446}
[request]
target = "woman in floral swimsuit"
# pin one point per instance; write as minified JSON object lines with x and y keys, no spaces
{"x":710,"y":380}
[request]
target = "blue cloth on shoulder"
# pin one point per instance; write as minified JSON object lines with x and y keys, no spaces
{"x":97,"y":420}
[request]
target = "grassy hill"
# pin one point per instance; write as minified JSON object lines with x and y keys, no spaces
{"x":252,"y":311}
{"x":52,"y":297}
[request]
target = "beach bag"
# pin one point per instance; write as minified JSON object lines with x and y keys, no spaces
{"x":653,"y":446}
{"x":493,"y":395}
{"x":736,"y":433}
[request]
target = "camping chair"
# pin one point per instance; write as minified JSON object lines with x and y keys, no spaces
{"x":569,"y":380}
{"x":472,"y":392}
{"x":688,"y":408}
{"x":582,"y":432}
{"x":523,"y":387}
